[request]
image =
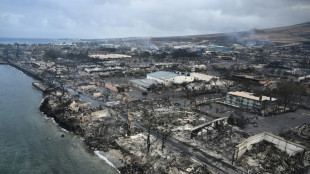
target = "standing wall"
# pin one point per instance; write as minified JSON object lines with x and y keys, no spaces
{"x":284,"y":145}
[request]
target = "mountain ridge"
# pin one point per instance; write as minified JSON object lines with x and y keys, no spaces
{"x":298,"y":33}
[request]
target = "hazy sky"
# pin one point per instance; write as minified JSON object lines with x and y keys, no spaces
{"x":129,"y":18}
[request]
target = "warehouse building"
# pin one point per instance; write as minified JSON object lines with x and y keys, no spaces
{"x":143,"y":84}
{"x":167,"y":78}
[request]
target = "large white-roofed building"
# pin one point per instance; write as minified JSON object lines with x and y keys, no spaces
{"x":208,"y":78}
{"x":109,"y":56}
{"x":167,"y":78}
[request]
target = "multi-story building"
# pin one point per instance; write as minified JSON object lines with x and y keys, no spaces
{"x":248,"y":100}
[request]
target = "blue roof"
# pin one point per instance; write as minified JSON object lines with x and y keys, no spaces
{"x":218,"y":47}
{"x":146,"y":83}
{"x":163,"y":75}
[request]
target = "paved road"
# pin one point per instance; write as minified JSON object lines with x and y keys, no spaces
{"x":213,"y":163}
{"x":278,"y":123}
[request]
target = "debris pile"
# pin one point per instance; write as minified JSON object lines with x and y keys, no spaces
{"x":105,"y":130}
{"x":300,"y":135}
{"x":102,"y":134}
{"x":222,"y":139}
{"x":264,"y":157}
{"x":157,"y":161}
{"x":180,"y":120}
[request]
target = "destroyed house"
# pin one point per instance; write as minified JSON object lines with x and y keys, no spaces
{"x":247,"y":100}
{"x":246,"y":78}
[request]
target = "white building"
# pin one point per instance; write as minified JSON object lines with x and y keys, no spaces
{"x":182,"y":79}
{"x":167,"y":78}
{"x":203,"y":77}
{"x":207,"y":78}
{"x":110,"y":56}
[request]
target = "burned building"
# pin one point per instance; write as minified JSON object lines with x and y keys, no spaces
{"x":143,"y":84}
{"x":247,"y":100}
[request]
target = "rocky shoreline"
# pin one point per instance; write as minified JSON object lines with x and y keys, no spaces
{"x":68,"y":124}
{"x":72,"y":125}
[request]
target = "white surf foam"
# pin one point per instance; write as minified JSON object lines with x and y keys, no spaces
{"x":42,"y":101}
{"x":106,"y":160}
{"x":63,"y":129}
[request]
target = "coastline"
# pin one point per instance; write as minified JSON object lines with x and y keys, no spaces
{"x":3,"y":62}
{"x":70,"y":126}
{"x":110,"y":133}
{"x":25,"y":71}
{"x":61,"y":123}
{"x":106,"y":160}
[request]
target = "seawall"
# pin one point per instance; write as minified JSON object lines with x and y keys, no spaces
{"x":2,"y":61}
{"x":27,"y":72}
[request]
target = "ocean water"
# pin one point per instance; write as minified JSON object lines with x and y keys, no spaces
{"x":31,"y":143}
{"x":35,"y":41}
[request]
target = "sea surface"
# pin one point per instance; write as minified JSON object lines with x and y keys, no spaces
{"x":30,"y":41}
{"x":32,"y":144}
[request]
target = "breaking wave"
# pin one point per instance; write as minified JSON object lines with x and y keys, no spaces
{"x":106,"y":160}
